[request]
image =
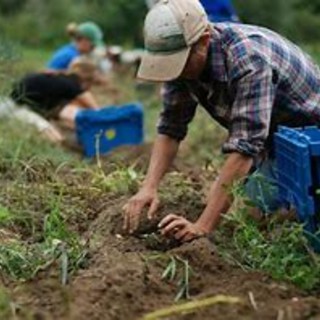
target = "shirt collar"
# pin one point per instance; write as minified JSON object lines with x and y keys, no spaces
{"x":216,"y":63}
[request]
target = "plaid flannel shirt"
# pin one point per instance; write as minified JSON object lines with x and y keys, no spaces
{"x":254,"y":81}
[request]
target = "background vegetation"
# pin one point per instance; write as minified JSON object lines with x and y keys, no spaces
{"x":25,"y":20}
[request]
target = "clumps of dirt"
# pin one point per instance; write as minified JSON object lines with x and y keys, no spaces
{"x":124,"y":280}
{"x":115,"y":288}
{"x":130,"y":156}
{"x":200,"y":253}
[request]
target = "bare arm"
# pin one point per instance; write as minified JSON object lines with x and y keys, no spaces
{"x":236,"y":167}
{"x":164,"y":151}
{"x":86,"y":100}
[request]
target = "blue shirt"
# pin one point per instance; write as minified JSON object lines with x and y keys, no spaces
{"x":63,"y":57}
{"x":220,"y":10}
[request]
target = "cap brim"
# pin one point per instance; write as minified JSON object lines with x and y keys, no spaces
{"x":162,"y":68}
{"x":96,"y":43}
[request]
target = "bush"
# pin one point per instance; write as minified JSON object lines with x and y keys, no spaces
{"x":43,"y":23}
{"x":297,"y":19}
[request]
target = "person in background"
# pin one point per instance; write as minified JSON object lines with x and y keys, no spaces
{"x":249,"y":79}
{"x":220,"y":10}
{"x":39,"y":97}
{"x":86,"y":38}
{"x":217,"y":10}
{"x":71,"y":30}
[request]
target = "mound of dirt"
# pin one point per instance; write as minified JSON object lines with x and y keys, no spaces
{"x":124,"y":281}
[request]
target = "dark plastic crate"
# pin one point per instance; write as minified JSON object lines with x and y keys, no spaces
{"x":298,"y":165}
{"x":99,"y":132}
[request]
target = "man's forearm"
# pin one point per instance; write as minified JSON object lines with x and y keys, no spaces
{"x":236,"y":167}
{"x":164,"y":151}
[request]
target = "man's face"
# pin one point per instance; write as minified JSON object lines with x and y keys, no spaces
{"x":83,"y":45}
{"x":197,"y":59}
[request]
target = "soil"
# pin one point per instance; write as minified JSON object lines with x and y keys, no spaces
{"x":123,"y":277}
{"x":122,"y":281}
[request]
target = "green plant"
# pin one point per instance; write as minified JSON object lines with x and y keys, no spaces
{"x":5,"y":215}
{"x":22,"y":260}
{"x":176,"y":271}
{"x":119,"y":181}
{"x":7,"y":308}
{"x":179,"y":269}
{"x":281,"y":250}
{"x":61,"y":243}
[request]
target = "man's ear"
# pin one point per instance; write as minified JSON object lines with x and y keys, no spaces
{"x":205,"y":39}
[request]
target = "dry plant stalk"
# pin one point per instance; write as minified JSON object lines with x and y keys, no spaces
{"x":191,"y":307}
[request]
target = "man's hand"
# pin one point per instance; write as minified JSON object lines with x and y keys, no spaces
{"x":180,"y":228}
{"x":133,"y":209}
{"x":164,"y":151}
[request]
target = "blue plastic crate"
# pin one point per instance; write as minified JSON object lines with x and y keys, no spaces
{"x":103,"y":130}
{"x":298,"y":163}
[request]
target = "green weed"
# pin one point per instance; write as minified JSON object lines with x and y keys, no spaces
{"x":119,"y":181}
{"x":281,"y":250}
{"x":5,"y":215}
{"x":7,"y":308}
{"x":23,"y":260}
{"x":177,"y":271}
{"x":20,"y":142}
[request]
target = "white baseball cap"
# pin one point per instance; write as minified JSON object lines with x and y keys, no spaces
{"x":171,"y":28}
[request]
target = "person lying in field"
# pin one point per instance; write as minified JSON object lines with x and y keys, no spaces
{"x":39,"y":97}
{"x":249,"y":79}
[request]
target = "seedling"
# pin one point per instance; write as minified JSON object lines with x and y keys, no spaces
{"x":180,"y":270}
{"x":170,"y":272}
{"x":5,"y":215}
{"x":121,"y":180}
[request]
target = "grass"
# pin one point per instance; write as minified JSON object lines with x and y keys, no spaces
{"x":279,"y":249}
{"x":22,"y":260}
{"x":6,"y":306}
{"x":47,"y":193}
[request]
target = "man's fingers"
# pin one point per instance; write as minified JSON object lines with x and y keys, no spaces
{"x":135,"y":214}
{"x":134,"y":217}
{"x":129,"y":212}
{"x":125,"y":222}
{"x":132,"y":212}
{"x":182,"y":234}
{"x":169,"y":218}
{"x":173,"y":227}
{"x":126,"y":217}
{"x":153,"y":209}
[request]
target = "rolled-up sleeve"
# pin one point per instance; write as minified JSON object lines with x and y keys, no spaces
{"x":179,"y":108}
{"x":252,"y":80}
